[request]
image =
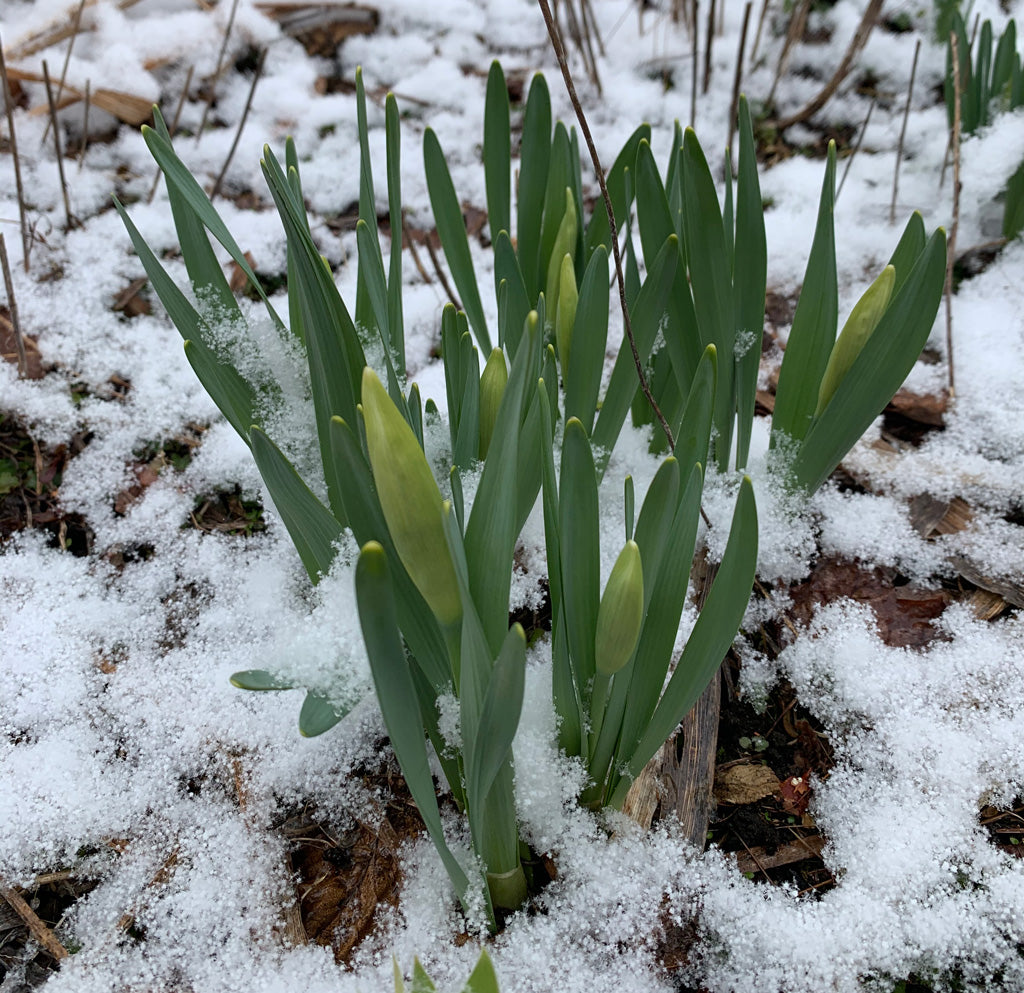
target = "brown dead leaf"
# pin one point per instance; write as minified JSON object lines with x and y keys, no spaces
{"x":322,"y":26}
{"x":129,"y":302}
{"x":739,"y":784}
{"x":796,"y":795}
{"x":238,"y":280}
{"x":922,"y":408}
{"x":9,"y":347}
{"x":126,"y":107}
{"x":758,"y":859}
{"x":931,"y":517}
{"x":903,"y":613}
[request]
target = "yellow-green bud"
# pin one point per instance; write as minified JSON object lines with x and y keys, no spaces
{"x":621,"y":614}
{"x":565,"y":311}
{"x":565,"y":244}
{"x":410,"y":500}
{"x":492,"y":388}
{"x":859,"y":326}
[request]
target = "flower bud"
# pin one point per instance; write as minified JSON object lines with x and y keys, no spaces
{"x":565,"y":312}
{"x":565,"y":244}
{"x":492,"y":388}
{"x":859,"y":326}
{"x":410,"y":500}
{"x":621,"y":614}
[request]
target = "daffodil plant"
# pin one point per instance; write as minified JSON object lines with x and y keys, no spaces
{"x":434,"y":570}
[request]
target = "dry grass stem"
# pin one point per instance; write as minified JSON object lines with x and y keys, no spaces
{"x":738,"y":77}
{"x":903,"y":133}
{"x":439,"y":269}
{"x":708,"y":42}
{"x":36,"y":927}
{"x":951,"y":244}
{"x":55,"y":35}
{"x":218,"y":68}
{"x":856,"y":148}
{"x":757,"y":33}
{"x":563,"y":64}
{"x":76,"y":26}
{"x":12,"y":306}
{"x":85,"y":124}
{"x":241,"y":125}
{"x":795,"y":31}
{"x":69,"y":217}
{"x":693,"y":64}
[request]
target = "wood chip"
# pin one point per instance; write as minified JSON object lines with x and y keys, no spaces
{"x":321,"y":27}
{"x":931,"y":517}
{"x":986,"y":605}
{"x":1010,"y":591}
{"x":36,"y":927}
{"x":740,"y":784}
{"x":126,"y":107}
{"x":922,"y":408}
{"x":794,"y":851}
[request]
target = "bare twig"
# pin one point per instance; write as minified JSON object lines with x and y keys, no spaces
{"x":241,"y":125}
{"x":734,"y":104}
{"x":757,"y":33}
{"x":556,"y":44}
{"x":172,"y":128}
{"x":19,"y":341}
{"x":439,"y":269}
{"x":793,"y":33}
{"x":36,"y":927}
{"x":708,"y":41}
{"x":693,"y":65}
{"x":857,"y":43}
{"x":588,"y":15}
{"x":85,"y":124}
{"x":56,"y":144}
{"x":217,"y":70}
{"x":76,"y":25}
{"x":951,"y":245}
{"x":903,"y":133}
{"x":856,"y":148}
{"x":9,"y":106}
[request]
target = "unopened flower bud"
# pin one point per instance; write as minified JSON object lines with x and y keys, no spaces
{"x":492,"y":388}
{"x":621,"y":614}
{"x":410,"y":500}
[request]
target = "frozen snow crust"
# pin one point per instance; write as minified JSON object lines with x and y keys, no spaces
{"x":117,"y":721}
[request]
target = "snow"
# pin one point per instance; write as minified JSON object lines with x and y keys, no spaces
{"x":115,"y":692}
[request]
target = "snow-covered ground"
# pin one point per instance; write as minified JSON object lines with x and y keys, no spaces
{"x":114,"y":690}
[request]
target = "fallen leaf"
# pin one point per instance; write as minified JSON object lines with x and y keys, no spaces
{"x":739,"y":784}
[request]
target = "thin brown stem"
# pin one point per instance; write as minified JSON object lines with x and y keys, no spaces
{"x":34,"y":923}
{"x":556,"y":44}
{"x":757,"y":33}
{"x":19,"y":341}
{"x":76,"y":25}
{"x":693,"y":66}
{"x":738,"y":77}
{"x":56,"y":144}
{"x":856,"y":148}
{"x":9,"y":106}
{"x":708,"y":42}
{"x":903,"y":133}
{"x":951,"y":246}
{"x":172,"y":128}
{"x":857,"y":43}
{"x":241,"y":125}
{"x":439,"y":269}
{"x":795,"y":30}
{"x":87,"y":103}
{"x":217,"y":70}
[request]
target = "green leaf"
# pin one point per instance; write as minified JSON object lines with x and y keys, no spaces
{"x":258,"y":680}
{"x":483,"y":978}
{"x":909,"y":249}
{"x":750,"y":268}
{"x":712,"y":635}
{"x":497,"y":152}
{"x":396,"y":320}
{"x":451,"y":229}
{"x":878,"y":371}
{"x":693,"y":430}
{"x":421,"y":982}
{"x":499,"y":717}
{"x":312,"y":527}
{"x":814,"y":324}
{"x":317,"y":715}
{"x":559,"y":180}
{"x":365,"y":313}
{"x":535,"y":154}
{"x":192,"y":194}
{"x":1013,"y":212}
{"x":506,"y":269}
{"x":580,"y":554}
{"x":228,"y":390}
{"x":647,"y":315}
{"x":598,"y":231}
{"x":590,"y":337}
{"x":711,"y":280}
{"x":397,"y":697}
